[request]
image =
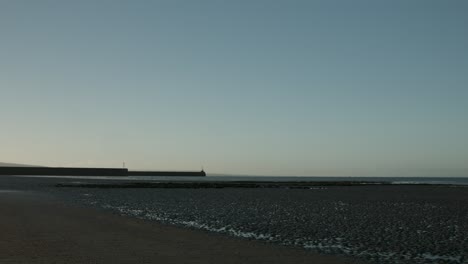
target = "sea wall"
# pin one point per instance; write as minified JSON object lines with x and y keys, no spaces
{"x":64,"y":171}
{"x":60,"y":171}
{"x":167,"y":173}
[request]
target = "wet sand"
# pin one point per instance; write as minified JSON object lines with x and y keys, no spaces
{"x":36,"y":228}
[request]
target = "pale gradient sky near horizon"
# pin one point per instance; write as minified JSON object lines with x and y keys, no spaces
{"x":368,"y":88}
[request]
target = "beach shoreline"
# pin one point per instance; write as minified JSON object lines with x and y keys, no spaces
{"x":38,"y":228}
{"x":367,"y":223}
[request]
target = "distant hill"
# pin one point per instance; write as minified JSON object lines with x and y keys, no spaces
{"x":3,"y":164}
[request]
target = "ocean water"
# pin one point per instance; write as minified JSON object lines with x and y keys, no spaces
{"x":393,"y":180}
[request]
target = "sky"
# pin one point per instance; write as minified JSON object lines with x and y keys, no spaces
{"x":256,"y":87}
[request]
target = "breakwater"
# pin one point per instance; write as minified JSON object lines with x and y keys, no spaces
{"x":63,"y":171}
{"x":167,"y":173}
{"x":68,"y":171}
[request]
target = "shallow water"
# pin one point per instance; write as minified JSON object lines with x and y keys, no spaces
{"x":394,"y":180}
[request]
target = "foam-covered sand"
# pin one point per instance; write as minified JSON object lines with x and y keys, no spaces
{"x":378,"y":224}
{"x":37,"y":228}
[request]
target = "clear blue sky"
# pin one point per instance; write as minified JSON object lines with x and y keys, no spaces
{"x":252,"y":87}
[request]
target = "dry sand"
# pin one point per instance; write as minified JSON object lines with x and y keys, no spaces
{"x":38,"y":229}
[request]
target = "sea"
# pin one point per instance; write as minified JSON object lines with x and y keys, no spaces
{"x":393,"y":180}
{"x":246,"y":178}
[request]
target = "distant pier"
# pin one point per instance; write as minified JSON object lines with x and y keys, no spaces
{"x":167,"y":173}
{"x":67,"y":171}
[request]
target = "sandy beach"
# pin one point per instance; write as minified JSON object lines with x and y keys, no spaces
{"x":37,"y":228}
